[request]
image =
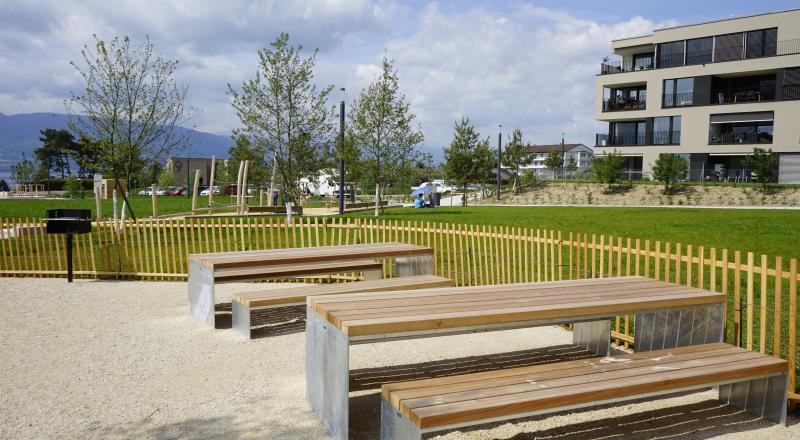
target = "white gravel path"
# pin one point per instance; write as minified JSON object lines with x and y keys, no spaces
{"x":125,"y":360}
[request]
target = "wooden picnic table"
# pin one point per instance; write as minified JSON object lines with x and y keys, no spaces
{"x":667,"y":315}
{"x":206,"y":270}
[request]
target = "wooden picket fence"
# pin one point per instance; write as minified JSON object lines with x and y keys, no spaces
{"x":762,"y":292}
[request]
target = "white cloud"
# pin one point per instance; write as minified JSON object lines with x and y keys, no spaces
{"x":527,"y":66}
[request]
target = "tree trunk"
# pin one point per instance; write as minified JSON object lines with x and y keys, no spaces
{"x":464,"y":196}
{"x":125,"y":201}
{"x":377,"y":198}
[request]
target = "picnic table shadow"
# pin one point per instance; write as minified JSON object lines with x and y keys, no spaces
{"x":701,"y":420}
{"x":268,"y":322}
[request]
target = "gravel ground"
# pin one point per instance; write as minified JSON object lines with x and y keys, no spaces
{"x":119,"y":360}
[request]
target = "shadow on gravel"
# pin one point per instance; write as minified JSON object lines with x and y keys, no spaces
{"x":373,"y":378}
{"x":278,"y":321}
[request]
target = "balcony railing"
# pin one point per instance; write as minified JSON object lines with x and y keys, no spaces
{"x":720,"y":54}
{"x":621,"y":103}
{"x":762,"y":136}
{"x":741,"y":95}
{"x":638,"y":139}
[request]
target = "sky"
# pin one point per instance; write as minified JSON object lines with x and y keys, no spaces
{"x":526,"y":64}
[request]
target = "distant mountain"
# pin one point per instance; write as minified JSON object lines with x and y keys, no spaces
{"x":20,"y":134}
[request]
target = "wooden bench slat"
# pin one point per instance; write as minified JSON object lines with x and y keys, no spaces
{"x":443,"y":305}
{"x":556,"y":379}
{"x":515,"y":376}
{"x":583,"y":393}
{"x":483,"y":316}
{"x":494,"y":374}
{"x":304,"y":255}
{"x":289,"y":270}
{"x":601,"y":283}
{"x":480,"y":396}
{"x":299,"y":294}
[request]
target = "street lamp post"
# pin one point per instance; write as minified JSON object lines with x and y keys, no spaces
{"x":341,"y":154}
{"x":187,"y":176}
{"x":562,"y":156}
{"x":499,"y":156}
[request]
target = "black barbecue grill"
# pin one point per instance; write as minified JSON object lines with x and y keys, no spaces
{"x":69,"y":222}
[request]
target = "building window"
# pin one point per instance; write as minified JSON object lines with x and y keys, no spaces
{"x":628,"y":133}
{"x":728,"y":47}
{"x":762,"y":43}
{"x":791,"y":83}
{"x":699,"y":51}
{"x":678,"y":92}
{"x":667,"y":130}
{"x":643,"y":61}
{"x":670,"y":54}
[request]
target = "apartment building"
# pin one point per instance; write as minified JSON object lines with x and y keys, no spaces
{"x":709,"y":92}
{"x":580,"y":153}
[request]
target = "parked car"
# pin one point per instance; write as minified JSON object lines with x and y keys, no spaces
{"x":177,"y":191}
{"x":205,"y":190}
{"x":162,"y":191}
{"x":149,"y":191}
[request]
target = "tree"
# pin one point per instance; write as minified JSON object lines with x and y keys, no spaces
{"x":461,"y":161}
{"x":572,"y":166}
{"x":383,"y":129}
{"x":257,"y":168}
{"x":554,"y":162}
{"x":516,"y":156}
{"x":282,"y":112}
{"x":131,"y":107}
{"x":354,"y":166}
{"x":485,"y":162}
{"x":763,"y":163}
{"x":166,"y":179}
{"x":57,"y":148}
{"x":669,"y":169}
{"x":24,"y":172}
{"x":607,"y":169}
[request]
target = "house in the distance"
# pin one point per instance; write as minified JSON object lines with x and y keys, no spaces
{"x":581,"y":153}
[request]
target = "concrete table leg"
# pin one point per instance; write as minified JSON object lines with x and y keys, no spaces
{"x":328,"y":374}
{"x":201,"y":293}
{"x":765,"y":397}
{"x":679,"y":327}
{"x":396,"y":426}
{"x":240,"y":319}
{"x":416,"y":265}
{"x":594,"y":336}
{"x":373,"y":275}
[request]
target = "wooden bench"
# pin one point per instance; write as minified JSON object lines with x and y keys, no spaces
{"x":747,"y":380}
{"x":244,"y":303}
{"x":666,"y":315}
{"x":205,"y":270}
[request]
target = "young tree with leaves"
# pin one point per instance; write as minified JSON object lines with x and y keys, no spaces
{"x":485,"y":163}
{"x":461,"y":161}
{"x":383,"y":129}
{"x":516,"y":156}
{"x":282,"y":112}
{"x":572,"y":166}
{"x":554,"y":162}
{"x":763,"y":163}
{"x":24,"y":172}
{"x":131,"y":107}
{"x":607,"y":169}
{"x":670,"y":169}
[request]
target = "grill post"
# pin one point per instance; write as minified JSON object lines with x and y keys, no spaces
{"x":69,"y":258}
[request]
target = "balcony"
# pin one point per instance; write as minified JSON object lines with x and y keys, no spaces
{"x":678,"y":100}
{"x":740,"y":135}
{"x":621,"y":103}
{"x":718,"y":55}
{"x":638,"y":139}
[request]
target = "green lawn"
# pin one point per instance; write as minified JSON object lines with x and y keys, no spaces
{"x":767,"y":231}
{"x":142,"y":206}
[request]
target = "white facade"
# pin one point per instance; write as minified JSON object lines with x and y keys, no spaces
{"x":710,"y":92}
{"x":579,"y":152}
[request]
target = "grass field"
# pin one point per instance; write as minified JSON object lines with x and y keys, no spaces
{"x":771,"y":232}
{"x":767,"y":231}
{"x":142,"y":206}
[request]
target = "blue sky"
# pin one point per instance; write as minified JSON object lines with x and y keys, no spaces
{"x":527,"y":64}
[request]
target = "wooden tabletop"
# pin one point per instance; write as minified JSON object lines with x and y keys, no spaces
{"x":433,"y":309}
{"x":307,"y":255}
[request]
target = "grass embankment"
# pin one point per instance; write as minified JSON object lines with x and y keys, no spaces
{"x":771,"y":232}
